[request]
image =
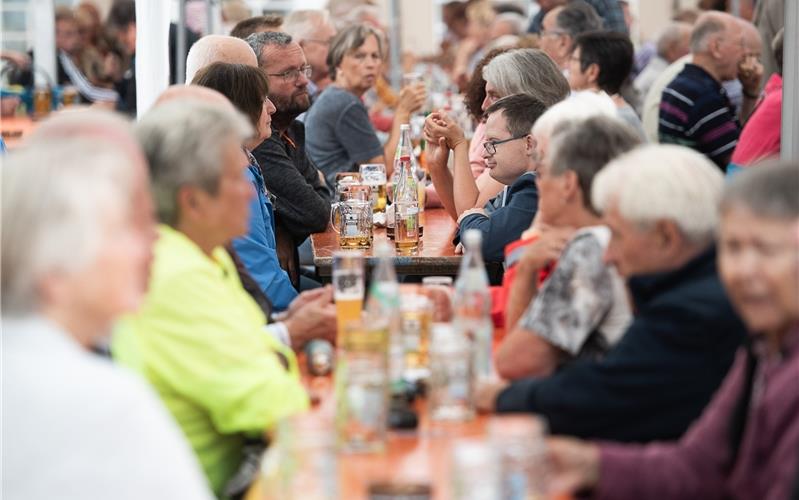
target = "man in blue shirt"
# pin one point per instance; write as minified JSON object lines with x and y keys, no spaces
{"x":509,"y":152}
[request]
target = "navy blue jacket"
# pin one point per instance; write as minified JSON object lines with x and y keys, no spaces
{"x":507,"y":223}
{"x":660,"y":375}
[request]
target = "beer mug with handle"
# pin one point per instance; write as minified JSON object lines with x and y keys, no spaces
{"x":352,"y":220}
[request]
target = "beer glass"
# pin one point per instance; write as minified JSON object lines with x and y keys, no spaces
{"x":451,"y":392}
{"x":519,"y":442}
{"x":352,"y":220}
{"x":302,"y":462}
{"x":344,"y":181}
{"x":416,"y":314}
{"x":438,"y":290}
{"x":474,"y":471}
{"x":348,"y":287}
{"x":361,"y":382}
{"x":374,"y":176}
{"x":416,"y":120}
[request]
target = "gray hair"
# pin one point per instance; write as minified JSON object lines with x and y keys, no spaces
{"x":671,"y":36}
{"x":578,"y":106}
{"x":257,"y":42}
{"x":301,"y":24}
{"x":707,"y":26}
{"x":578,"y":17}
{"x":516,"y":21}
{"x":527,"y":71}
{"x":184,"y":141}
{"x":770,"y":190}
{"x":663,"y":182}
{"x":585,"y":147}
{"x":347,"y":41}
{"x":54,"y":199}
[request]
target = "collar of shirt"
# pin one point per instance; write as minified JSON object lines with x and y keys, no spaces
{"x":644,"y":288}
{"x":698,"y":73}
{"x":180,"y":244}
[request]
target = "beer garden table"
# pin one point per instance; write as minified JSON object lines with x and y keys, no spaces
{"x":420,"y":456}
{"x":435,"y":257}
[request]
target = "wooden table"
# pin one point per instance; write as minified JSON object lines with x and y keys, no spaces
{"x":15,"y":129}
{"x":435,"y":257}
{"x":419,"y":456}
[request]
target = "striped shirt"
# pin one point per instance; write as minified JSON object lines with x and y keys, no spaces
{"x":696,"y":112}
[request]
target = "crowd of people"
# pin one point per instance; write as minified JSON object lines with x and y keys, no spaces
{"x":643,"y":236}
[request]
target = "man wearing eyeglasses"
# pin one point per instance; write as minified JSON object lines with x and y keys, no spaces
{"x":509,"y":152}
{"x":561,"y":26}
{"x":302,"y":199}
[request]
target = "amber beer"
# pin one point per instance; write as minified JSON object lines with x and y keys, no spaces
{"x":69,"y":96}
{"x":348,"y":310}
{"x":42,"y":102}
{"x":348,"y":287}
{"x":416,"y":317}
{"x":352,"y":220}
{"x":378,"y":194}
{"x":354,"y":241}
{"x":406,"y":227}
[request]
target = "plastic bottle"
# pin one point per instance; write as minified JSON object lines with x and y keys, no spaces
{"x":472,"y":304}
{"x":383,"y":306}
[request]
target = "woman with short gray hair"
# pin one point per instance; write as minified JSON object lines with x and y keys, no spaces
{"x":200,"y":338}
{"x":520,"y":71}
{"x":340,"y":135}
{"x":526,"y":71}
{"x":72,"y":422}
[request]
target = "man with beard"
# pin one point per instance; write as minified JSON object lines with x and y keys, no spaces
{"x":302,"y":199}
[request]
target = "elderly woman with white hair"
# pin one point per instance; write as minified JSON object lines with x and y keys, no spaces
{"x":745,"y":443}
{"x":660,"y":203}
{"x":199,"y":337}
{"x":521,"y":71}
{"x":73,"y":424}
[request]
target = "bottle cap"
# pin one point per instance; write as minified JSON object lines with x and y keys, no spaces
{"x":472,"y":238}
{"x":405,"y":126}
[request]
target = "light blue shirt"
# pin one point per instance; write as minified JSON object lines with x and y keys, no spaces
{"x":258,"y":248}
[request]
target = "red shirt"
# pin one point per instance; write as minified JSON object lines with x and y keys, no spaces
{"x":760,"y":137}
{"x":500,"y":294}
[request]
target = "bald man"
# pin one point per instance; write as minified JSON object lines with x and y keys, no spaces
{"x":733,"y":87}
{"x":695,"y":111}
{"x":672,"y":44}
{"x":195,"y":92}
{"x":218,"y":48}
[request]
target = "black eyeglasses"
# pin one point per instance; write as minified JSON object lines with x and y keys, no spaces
{"x":491,"y":146}
{"x":293,"y":74}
